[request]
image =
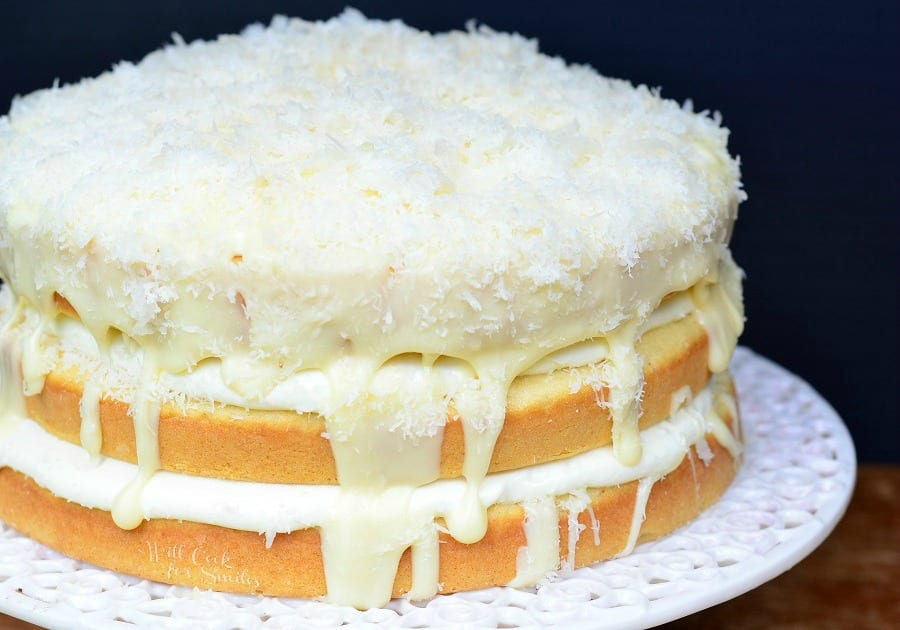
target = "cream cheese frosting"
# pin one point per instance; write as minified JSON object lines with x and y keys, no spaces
{"x":326,"y":200}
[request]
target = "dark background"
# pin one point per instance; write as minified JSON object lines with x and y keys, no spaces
{"x":808,"y":89}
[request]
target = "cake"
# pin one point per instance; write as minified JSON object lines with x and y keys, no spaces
{"x":349,"y":310}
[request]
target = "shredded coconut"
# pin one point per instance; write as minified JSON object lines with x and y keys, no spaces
{"x":306,"y":190}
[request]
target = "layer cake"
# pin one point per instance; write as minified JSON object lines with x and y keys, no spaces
{"x":346,"y":309}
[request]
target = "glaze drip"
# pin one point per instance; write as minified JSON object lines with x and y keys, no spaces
{"x":127,"y":510}
{"x":540,"y":555}
{"x":89,"y":409}
{"x":624,"y":379}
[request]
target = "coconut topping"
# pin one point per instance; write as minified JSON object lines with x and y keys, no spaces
{"x":451,"y":193}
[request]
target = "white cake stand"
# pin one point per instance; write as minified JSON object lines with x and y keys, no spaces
{"x":796,"y":481}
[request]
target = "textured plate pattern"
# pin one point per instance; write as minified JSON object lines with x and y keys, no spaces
{"x":795,"y":484}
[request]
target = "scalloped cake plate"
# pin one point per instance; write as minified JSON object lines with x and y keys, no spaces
{"x":796,"y":481}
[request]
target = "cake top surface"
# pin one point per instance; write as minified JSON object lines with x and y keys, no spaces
{"x":334,"y":177}
{"x":333,"y":140}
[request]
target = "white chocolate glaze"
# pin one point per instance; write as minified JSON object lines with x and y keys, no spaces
{"x":126,"y":509}
{"x":645,"y":485}
{"x":118,"y":368}
{"x":624,"y":377}
{"x":575,"y":504}
{"x":89,"y":409}
{"x":12,"y":400}
{"x":540,"y":555}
